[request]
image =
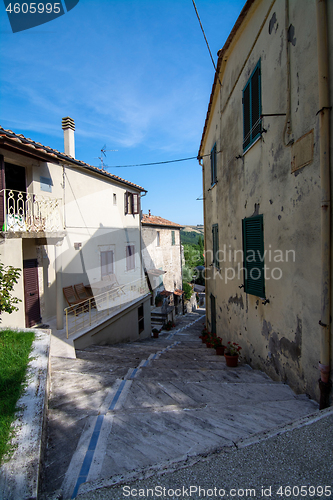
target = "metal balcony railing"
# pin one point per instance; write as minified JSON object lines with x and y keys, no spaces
{"x":103,"y":306}
{"x":27,"y":212}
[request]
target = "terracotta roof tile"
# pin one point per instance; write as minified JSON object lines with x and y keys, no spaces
{"x":155,"y":220}
{"x":10,"y":135}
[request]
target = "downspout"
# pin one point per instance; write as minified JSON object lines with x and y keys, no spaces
{"x":287,"y":124}
{"x":325,"y":383}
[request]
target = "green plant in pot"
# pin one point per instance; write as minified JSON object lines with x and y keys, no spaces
{"x":155,"y":333}
{"x":232,"y":353}
{"x":218,"y":346}
{"x":158,"y":300}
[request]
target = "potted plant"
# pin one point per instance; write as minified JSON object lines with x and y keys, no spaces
{"x":232,"y":354}
{"x":158,"y":300}
{"x":204,"y":335}
{"x":210,"y":339}
{"x":218,"y":346}
{"x":169,"y":325}
{"x":155,"y":332}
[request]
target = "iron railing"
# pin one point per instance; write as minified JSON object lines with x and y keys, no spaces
{"x":104,"y":305}
{"x":27,"y":212}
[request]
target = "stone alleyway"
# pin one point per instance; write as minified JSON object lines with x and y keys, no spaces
{"x":123,"y":410}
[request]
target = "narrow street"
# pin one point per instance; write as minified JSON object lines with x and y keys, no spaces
{"x":128,"y":410}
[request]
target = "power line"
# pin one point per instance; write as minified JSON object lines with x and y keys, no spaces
{"x":203,"y":32}
{"x":158,"y":162}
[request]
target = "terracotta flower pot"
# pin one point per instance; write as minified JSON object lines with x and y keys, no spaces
{"x":155,"y":335}
{"x":219,"y":350}
{"x":231,"y":361}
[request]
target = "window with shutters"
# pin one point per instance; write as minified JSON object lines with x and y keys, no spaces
{"x":106,"y":263}
{"x":215,"y":236}
{"x":132,"y":203}
{"x":253,"y":248}
{"x":173,"y":238}
{"x":252,"y":108}
{"x":212,"y":314}
{"x":130,"y":258}
{"x":158,"y":238}
{"x":213,"y":170}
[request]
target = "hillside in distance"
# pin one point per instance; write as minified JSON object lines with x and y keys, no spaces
{"x":190,"y":234}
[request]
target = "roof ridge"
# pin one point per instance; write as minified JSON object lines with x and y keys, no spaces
{"x":54,"y":152}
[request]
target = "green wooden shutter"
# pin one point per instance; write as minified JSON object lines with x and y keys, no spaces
{"x":173,"y":240}
{"x":252,"y":107}
{"x":213,"y":172}
{"x":253,"y":246}
{"x":213,"y":313}
{"x":215,"y":237}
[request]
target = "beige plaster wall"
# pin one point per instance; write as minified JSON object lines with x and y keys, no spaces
{"x":91,"y":216}
{"x":281,"y":337}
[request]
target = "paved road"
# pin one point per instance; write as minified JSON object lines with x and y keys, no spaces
{"x":121,"y":412}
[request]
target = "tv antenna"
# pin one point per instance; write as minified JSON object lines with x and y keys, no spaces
{"x":103,"y":155}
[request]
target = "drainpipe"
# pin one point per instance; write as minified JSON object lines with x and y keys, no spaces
{"x":325,"y":383}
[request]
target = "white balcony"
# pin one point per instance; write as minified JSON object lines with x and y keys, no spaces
{"x":31,"y":213}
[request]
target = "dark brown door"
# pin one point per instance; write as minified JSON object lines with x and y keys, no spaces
{"x":31,"y":292}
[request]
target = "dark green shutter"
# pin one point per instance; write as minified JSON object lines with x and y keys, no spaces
{"x":246,"y":116}
{"x":173,"y":239}
{"x":215,"y":236}
{"x":213,"y":313}
{"x":213,"y":173}
{"x":253,"y":246}
{"x":252,"y":107}
{"x":255,"y":104}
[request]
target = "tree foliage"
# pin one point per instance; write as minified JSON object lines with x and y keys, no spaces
{"x":9,"y":276}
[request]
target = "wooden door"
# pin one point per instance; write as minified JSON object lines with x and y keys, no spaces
{"x":31,"y":293}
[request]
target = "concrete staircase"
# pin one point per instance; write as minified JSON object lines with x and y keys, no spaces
{"x":161,"y":401}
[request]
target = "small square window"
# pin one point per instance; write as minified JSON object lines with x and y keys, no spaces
{"x":130,"y":257}
{"x":106,"y":263}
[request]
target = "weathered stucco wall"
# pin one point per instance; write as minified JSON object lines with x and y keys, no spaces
{"x":282,"y":336}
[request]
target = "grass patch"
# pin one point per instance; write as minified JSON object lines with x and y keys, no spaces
{"x":15,"y":348}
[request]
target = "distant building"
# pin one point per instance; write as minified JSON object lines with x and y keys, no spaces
{"x":265,"y":152}
{"x":162,"y":256}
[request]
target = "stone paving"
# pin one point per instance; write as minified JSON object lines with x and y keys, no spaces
{"x":117,"y":411}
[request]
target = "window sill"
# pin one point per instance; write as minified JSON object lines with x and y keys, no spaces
{"x":251,"y":145}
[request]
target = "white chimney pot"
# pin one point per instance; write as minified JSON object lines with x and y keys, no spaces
{"x":68,"y":126}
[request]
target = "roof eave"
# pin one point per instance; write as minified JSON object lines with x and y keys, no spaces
{"x":221,"y":54}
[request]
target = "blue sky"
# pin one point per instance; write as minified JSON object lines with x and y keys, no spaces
{"x":135,"y":76}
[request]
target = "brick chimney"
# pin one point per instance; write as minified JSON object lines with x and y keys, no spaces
{"x":68,"y":127}
{"x":149,"y":213}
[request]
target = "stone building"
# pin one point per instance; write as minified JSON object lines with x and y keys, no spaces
{"x":162,"y":254}
{"x":265,"y":153}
